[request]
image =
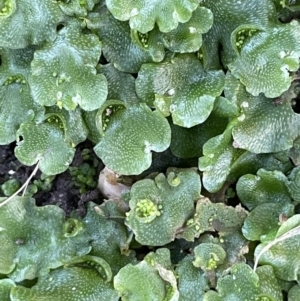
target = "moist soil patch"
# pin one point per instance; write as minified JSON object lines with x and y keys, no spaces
{"x":63,"y":191}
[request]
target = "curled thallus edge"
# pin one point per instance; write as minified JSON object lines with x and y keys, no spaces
{"x":288,"y":234}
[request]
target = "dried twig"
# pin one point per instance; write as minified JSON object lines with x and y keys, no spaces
{"x":24,"y":186}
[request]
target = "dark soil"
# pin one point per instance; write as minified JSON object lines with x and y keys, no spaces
{"x":63,"y":192}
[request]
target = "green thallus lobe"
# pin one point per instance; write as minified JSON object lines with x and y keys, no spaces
{"x":84,"y":176}
{"x":93,"y":262}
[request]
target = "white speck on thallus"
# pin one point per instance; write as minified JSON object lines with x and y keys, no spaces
{"x":242,"y":117}
{"x":147,"y":147}
{"x":171,"y":92}
{"x":67,"y":163}
{"x":134,"y":12}
{"x":235,"y":144}
{"x":173,"y":108}
{"x":192,"y":29}
{"x":282,"y":54}
{"x":76,"y":99}
{"x":245,"y":104}
{"x":59,"y":95}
